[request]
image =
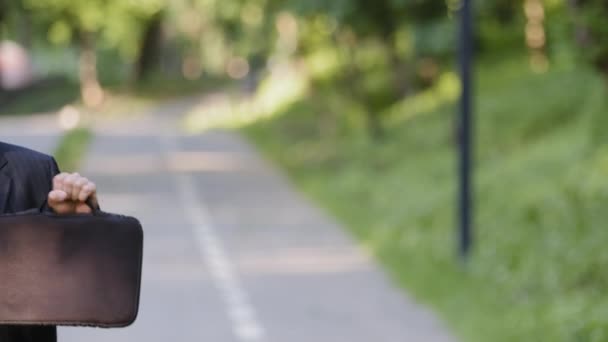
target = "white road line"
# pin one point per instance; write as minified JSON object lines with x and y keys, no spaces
{"x":241,"y":313}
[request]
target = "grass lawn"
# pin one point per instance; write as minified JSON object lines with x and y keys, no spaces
{"x":538,"y":269}
{"x":46,"y":96}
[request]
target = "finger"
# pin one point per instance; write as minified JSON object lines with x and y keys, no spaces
{"x":83,"y":209}
{"x":87,"y":191}
{"x":56,"y":197}
{"x":94,"y":201}
{"x":68,"y":184}
{"x":64,"y":208}
{"x":78,"y":186}
{"x":57,"y":202}
{"x":58,"y":181}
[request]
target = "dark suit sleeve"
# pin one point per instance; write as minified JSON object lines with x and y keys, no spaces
{"x":54,"y":167}
{"x":54,"y":170}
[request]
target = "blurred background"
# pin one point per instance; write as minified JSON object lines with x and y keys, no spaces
{"x":352,"y":103}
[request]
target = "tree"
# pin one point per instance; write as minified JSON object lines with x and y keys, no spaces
{"x":149,"y":54}
{"x":119,"y":24}
{"x":83,"y":19}
{"x":361,"y":21}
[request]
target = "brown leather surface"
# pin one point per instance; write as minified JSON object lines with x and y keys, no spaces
{"x":70,"y":270}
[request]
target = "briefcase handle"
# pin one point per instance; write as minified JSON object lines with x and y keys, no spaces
{"x":96,"y":210}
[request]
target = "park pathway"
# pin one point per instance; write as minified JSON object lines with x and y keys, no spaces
{"x":233,"y":253}
{"x":40,"y":132}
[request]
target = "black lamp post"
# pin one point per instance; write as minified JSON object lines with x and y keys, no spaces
{"x":465,"y":196}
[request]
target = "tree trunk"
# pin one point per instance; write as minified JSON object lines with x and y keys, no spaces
{"x":388,"y":27}
{"x":90,"y":89}
{"x":401,"y":73}
{"x":353,"y":83}
{"x":149,"y":57}
{"x":192,"y":67}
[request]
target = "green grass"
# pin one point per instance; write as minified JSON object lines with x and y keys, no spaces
{"x":538,"y":269}
{"x":48,"y":96}
{"x":72,"y":149}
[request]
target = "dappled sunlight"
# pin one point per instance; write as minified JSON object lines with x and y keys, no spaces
{"x":287,"y":28}
{"x":285,"y":85}
{"x":445,"y":92}
{"x":237,"y":68}
{"x":69,"y":117}
{"x":324,"y":63}
{"x":536,"y":39}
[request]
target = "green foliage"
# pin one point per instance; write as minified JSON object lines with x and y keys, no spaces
{"x":72,"y":149}
{"x":63,"y":22}
{"x":45,"y":96}
{"x":537,"y":270}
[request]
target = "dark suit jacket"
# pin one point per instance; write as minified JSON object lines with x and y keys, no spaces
{"x":25,"y":181}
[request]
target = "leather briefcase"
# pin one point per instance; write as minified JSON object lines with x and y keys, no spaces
{"x":82,"y":270}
